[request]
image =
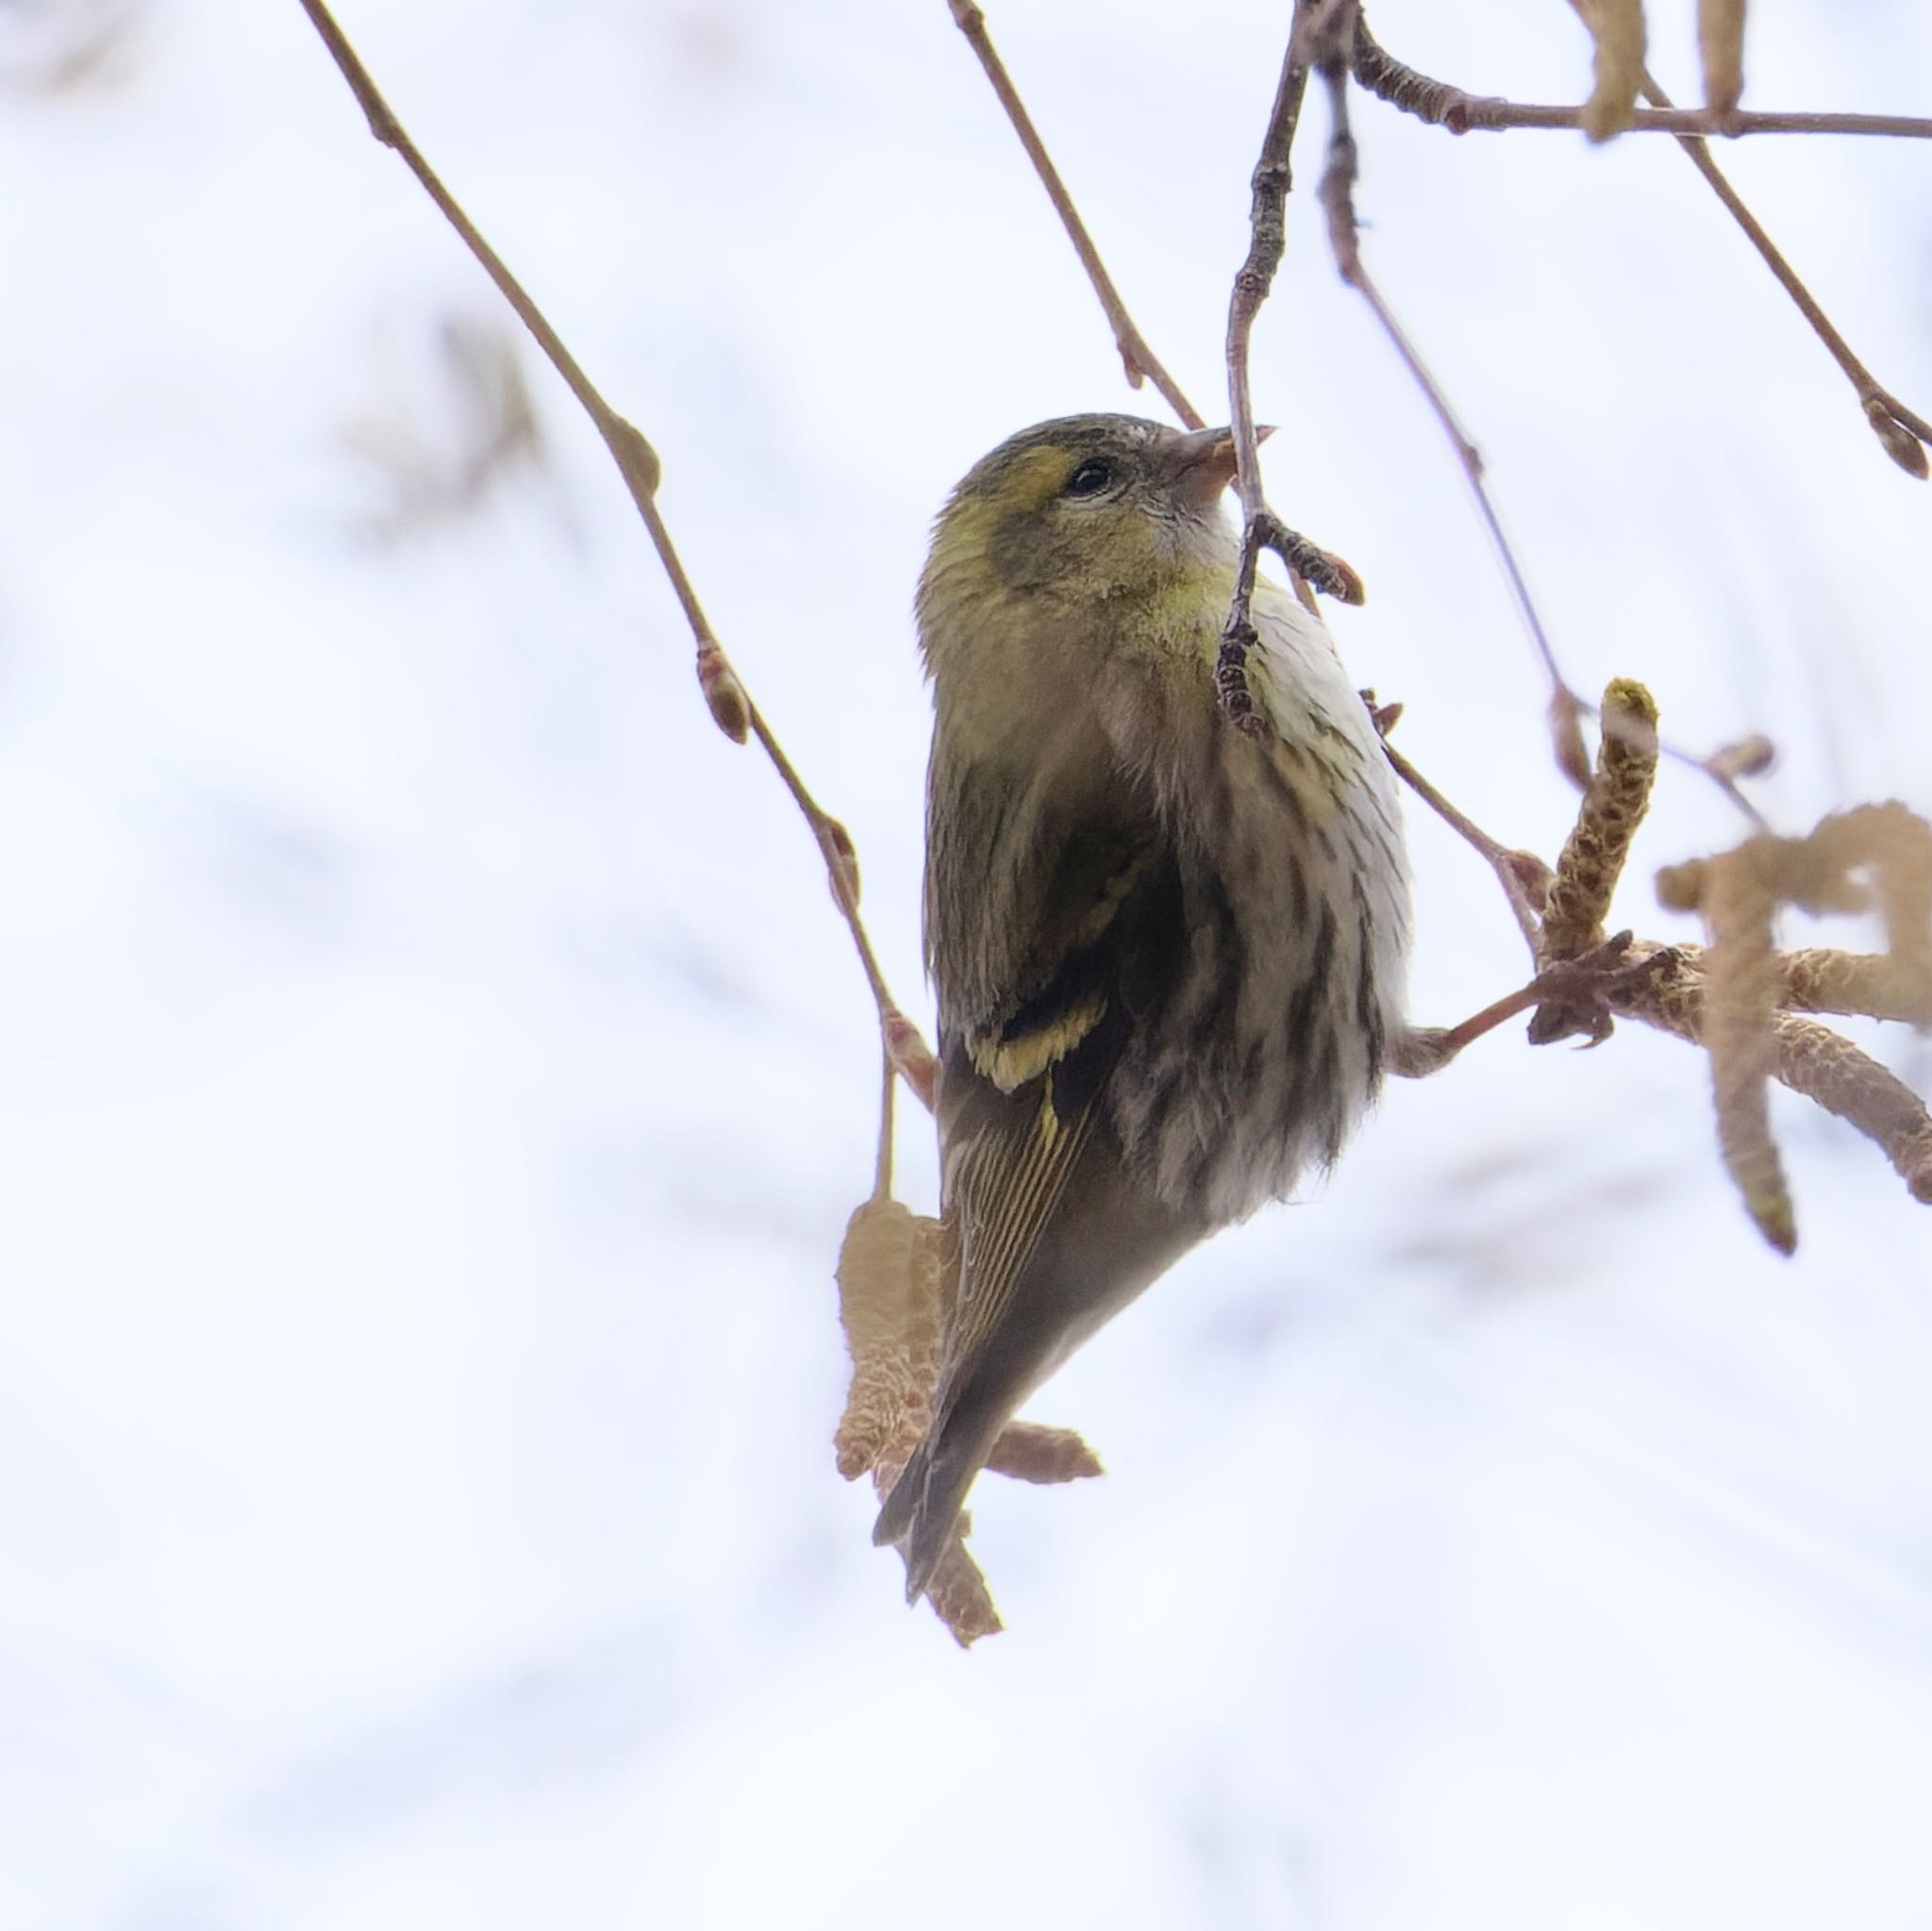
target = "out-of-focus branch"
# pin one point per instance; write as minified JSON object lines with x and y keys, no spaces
{"x":638,"y":462}
{"x":1442,"y":105}
{"x":1137,"y":359}
{"x":1734,"y":996}
{"x":1808,"y":1057}
{"x":1878,"y":985}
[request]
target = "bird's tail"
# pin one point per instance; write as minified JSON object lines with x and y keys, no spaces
{"x":920,"y":1514}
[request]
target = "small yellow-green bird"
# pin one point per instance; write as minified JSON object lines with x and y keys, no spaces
{"x":1168,"y":952}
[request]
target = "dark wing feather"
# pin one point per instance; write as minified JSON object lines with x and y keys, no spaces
{"x":1022,"y":1118}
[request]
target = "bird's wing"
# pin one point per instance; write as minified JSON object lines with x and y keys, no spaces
{"x":1020,"y":1083}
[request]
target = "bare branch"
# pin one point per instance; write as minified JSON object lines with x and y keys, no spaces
{"x":1135,"y":356}
{"x":638,"y":462}
{"x":1451,"y":107}
{"x":1901,"y":433}
{"x":1522,"y":875}
{"x":1566,"y":707}
{"x":1337,"y":195}
{"x":1740,"y":995}
{"x":1267,"y":240}
{"x":1874,"y":983}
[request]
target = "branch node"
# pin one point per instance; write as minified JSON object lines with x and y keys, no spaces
{"x":1899,"y":440}
{"x":724,"y":695}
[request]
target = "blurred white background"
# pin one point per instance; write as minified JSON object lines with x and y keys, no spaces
{"x":433,"y":1079}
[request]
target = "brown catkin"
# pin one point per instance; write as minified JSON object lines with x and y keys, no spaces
{"x":1740,"y":997}
{"x":1721,"y":46}
{"x":1594,"y":854}
{"x":1619,"y":30}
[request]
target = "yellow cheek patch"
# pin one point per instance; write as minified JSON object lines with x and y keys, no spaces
{"x":1033,"y":478}
{"x":1010,"y":1063}
{"x":963,"y":531}
{"x":966,"y":533}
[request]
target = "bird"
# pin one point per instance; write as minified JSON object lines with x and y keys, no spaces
{"x":1167,"y":951}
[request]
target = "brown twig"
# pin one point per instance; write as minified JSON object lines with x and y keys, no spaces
{"x":638,"y":462}
{"x":1901,"y":434}
{"x":1565,"y":706}
{"x":1518,"y":873}
{"x":1267,"y":240}
{"x":1135,"y":356}
{"x":1442,"y":105}
{"x":1337,"y":195}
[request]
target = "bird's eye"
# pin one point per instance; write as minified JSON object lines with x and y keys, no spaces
{"x":1092,"y":476}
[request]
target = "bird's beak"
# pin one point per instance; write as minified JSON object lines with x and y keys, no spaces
{"x":1204,"y":463}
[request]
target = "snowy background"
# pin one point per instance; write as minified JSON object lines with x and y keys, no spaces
{"x":433,"y":1079}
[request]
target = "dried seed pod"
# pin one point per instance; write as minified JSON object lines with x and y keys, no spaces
{"x":958,"y":1594}
{"x":1618,"y":28}
{"x":1740,"y":999}
{"x":889,"y":1302}
{"x":1029,"y":1452}
{"x":1721,"y":46}
{"x":1749,"y":756}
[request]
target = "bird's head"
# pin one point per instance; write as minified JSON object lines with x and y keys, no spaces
{"x":1085,"y":511}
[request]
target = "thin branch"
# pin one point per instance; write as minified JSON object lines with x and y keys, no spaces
{"x":1444,"y":105}
{"x":1566,"y":705}
{"x":1135,"y":356}
{"x":638,"y":462}
{"x":1516,"y":872}
{"x":1901,"y":434}
{"x":1267,"y":240}
{"x":882,"y":1166}
{"x":1337,"y":192}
